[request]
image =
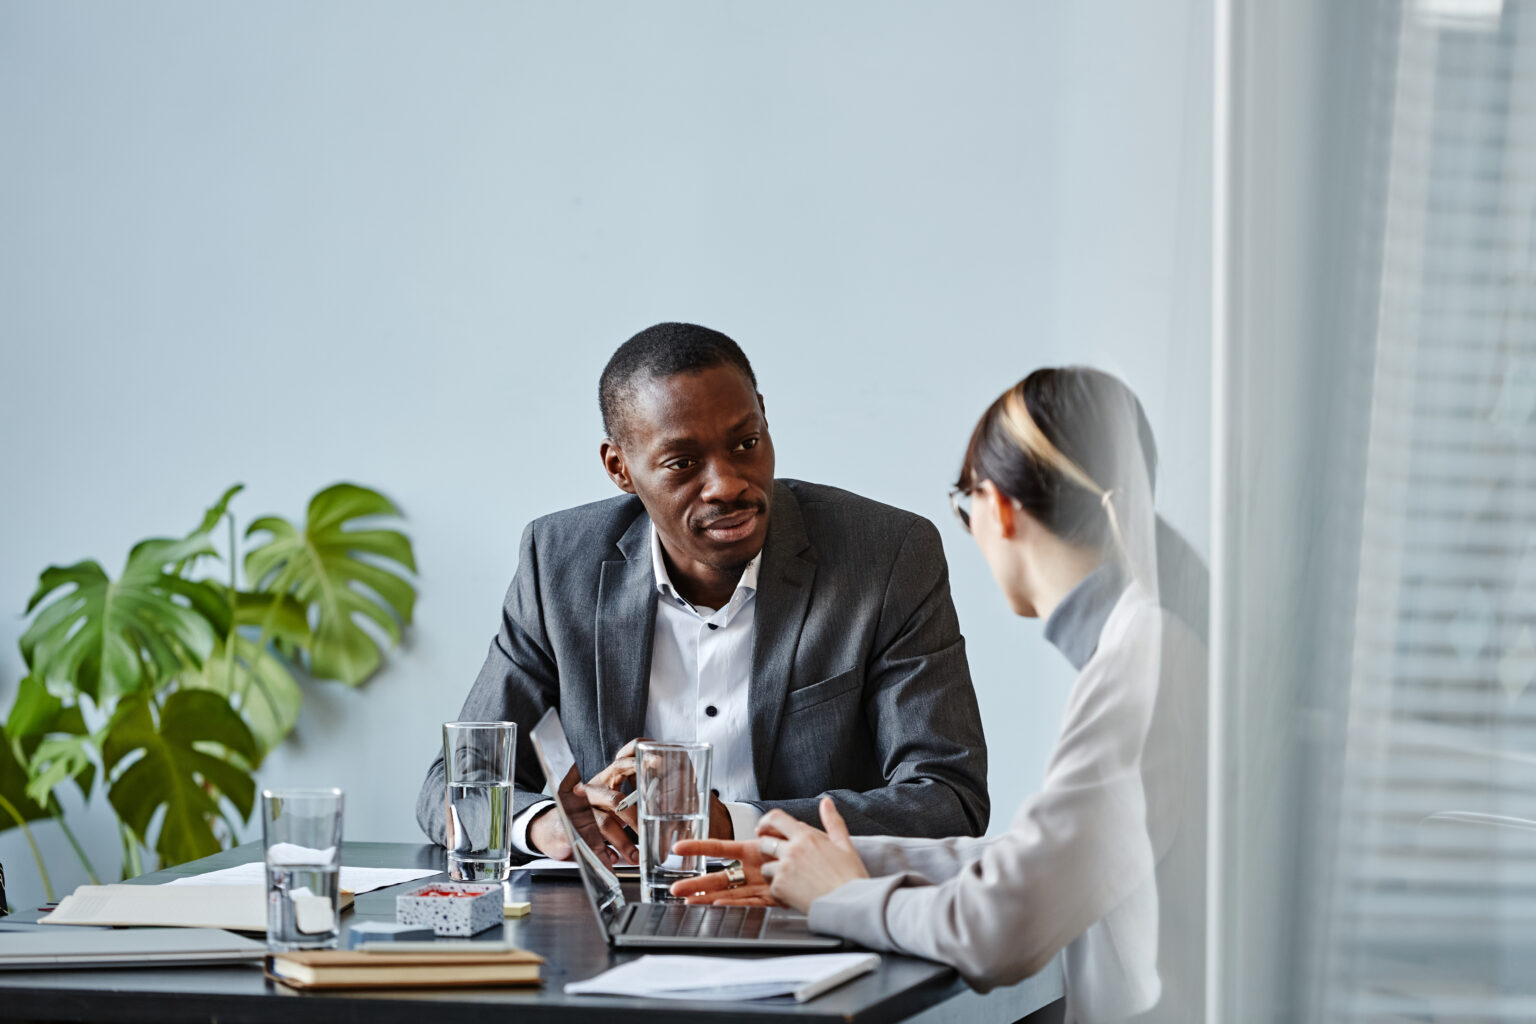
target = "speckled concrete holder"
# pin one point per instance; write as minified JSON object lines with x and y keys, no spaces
{"x":451,"y":915}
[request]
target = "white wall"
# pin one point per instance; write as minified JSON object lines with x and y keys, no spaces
{"x":395,"y":243}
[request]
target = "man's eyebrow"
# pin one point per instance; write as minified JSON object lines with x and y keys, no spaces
{"x":668,"y":444}
{"x":684,"y":441}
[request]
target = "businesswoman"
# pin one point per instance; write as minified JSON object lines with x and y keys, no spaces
{"x":1105,"y":864}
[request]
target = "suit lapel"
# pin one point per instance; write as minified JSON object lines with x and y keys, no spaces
{"x":626,"y":625}
{"x":783,"y":595}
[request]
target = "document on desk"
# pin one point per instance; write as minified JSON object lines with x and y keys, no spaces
{"x":354,"y":880}
{"x":544,"y":864}
{"x":237,"y":908}
{"x":728,"y":978}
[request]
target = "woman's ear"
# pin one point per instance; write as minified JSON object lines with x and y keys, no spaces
{"x":1002,"y":508}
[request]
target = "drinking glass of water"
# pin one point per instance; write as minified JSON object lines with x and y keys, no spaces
{"x":301,"y":835}
{"x":478,"y":758}
{"x":673,"y":780}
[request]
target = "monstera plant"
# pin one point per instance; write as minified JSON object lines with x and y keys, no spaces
{"x":168,"y":685}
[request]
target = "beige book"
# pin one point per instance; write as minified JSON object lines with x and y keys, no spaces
{"x":345,"y":969}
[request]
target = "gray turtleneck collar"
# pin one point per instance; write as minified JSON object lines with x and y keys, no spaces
{"x":1075,"y":625}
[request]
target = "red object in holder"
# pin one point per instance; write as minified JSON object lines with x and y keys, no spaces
{"x":452,"y":908}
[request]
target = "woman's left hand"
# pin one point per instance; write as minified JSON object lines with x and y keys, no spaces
{"x":715,"y":886}
{"x":807,"y":863}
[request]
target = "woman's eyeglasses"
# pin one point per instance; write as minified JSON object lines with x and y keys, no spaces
{"x":960,"y":501}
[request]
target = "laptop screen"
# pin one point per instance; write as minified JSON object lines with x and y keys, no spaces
{"x":559,"y":765}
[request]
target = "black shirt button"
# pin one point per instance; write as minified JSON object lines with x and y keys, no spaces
{"x":711,"y":711}
{"x":714,"y":625}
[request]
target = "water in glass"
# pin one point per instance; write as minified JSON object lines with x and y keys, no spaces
{"x":479,"y":831}
{"x":659,"y":867}
{"x":302,"y":905}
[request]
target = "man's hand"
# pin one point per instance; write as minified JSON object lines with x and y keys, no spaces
{"x":803,"y":862}
{"x":604,"y":792}
{"x":547,"y":836}
{"x":720,"y":824}
{"x":713,"y":886}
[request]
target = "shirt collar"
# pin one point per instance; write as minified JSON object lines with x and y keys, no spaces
{"x":1075,"y":625}
{"x":745,"y":587}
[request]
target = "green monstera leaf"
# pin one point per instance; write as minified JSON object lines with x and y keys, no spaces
{"x":46,"y":745}
{"x":320,"y":566}
{"x":246,"y":669}
{"x":31,"y":716}
{"x":13,"y":792}
{"x":184,"y":756}
{"x":105,"y":636}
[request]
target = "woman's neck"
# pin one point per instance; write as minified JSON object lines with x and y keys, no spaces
{"x":1058,"y":568}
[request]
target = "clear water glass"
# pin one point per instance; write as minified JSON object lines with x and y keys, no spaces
{"x":301,"y":839}
{"x":673,"y":780}
{"x":478,"y":760}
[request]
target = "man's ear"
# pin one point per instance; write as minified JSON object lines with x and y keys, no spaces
{"x":763,"y":406}
{"x":615,"y":465}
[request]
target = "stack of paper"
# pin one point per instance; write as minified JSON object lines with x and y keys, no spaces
{"x":725,"y":978}
{"x":354,"y":880}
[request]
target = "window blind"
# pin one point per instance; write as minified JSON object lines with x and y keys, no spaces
{"x":1423,"y":886}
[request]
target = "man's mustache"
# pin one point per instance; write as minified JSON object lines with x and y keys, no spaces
{"x":721,"y":511}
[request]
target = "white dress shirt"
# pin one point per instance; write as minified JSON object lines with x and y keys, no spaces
{"x":701,"y":671}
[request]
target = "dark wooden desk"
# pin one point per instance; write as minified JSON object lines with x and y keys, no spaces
{"x":561,"y":928}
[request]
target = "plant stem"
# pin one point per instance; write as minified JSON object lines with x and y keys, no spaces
{"x":133,"y":866}
{"x":229,"y":639}
{"x":37,"y":854}
{"x":69,"y":834}
{"x":229,"y":823}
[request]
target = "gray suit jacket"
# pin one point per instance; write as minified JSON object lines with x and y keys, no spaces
{"x":859,"y":687}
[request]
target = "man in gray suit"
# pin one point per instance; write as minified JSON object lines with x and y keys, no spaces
{"x":806,"y":632}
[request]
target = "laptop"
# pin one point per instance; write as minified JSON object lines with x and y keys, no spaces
{"x":28,"y":949}
{"x":656,"y":925}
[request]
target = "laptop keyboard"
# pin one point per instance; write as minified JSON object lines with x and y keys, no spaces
{"x":682,"y":921}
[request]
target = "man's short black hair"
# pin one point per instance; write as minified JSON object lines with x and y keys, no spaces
{"x":664,"y":350}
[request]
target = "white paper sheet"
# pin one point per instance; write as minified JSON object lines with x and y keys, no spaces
{"x":726,"y":978}
{"x":545,"y":864}
{"x":354,"y":880}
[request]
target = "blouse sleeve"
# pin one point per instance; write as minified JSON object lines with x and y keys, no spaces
{"x":1000,"y":910}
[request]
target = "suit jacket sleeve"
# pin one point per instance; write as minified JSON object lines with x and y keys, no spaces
{"x":517,"y":683}
{"x":921,"y":710}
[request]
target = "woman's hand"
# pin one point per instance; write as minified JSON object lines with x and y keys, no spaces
{"x":713,"y":886}
{"x":803,"y":862}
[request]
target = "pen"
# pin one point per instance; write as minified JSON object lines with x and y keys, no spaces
{"x":628,"y":802}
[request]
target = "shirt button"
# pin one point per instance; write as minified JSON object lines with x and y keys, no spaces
{"x":711,"y":711}
{"x":714,"y":625}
